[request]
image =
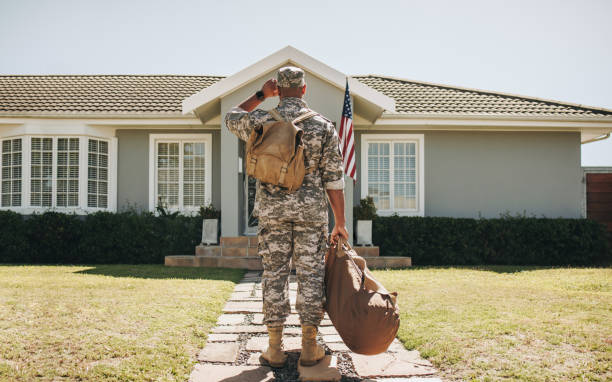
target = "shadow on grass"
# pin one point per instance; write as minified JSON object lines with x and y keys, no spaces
{"x":163,"y":272}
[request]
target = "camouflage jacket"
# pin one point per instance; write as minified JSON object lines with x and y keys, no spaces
{"x":321,"y":149}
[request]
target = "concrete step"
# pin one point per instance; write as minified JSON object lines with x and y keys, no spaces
{"x":235,"y":242}
{"x":218,"y":251}
{"x":367,"y":251}
{"x":254,"y":262}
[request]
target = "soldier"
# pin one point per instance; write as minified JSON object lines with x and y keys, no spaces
{"x":295,"y":223}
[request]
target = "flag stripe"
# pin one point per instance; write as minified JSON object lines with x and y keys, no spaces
{"x":347,"y":139}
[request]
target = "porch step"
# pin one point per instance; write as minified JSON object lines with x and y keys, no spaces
{"x":254,"y":262}
{"x":239,"y":242}
{"x":242,"y":246}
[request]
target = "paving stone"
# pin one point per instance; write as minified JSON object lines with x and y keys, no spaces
{"x":219,"y":352}
{"x":326,"y":323}
{"x":338,"y":347}
{"x":231,"y":319}
{"x":254,"y":359}
{"x":290,"y":344}
{"x":324,"y":370}
{"x":225,"y":373}
{"x":292,"y":319}
{"x":292,"y":331}
{"x":257,"y":343}
{"x":239,"y":296}
{"x":257,"y":319}
{"x":244,"y":287}
{"x":331,"y":338}
{"x":242,"y":307}
{"x":222,"y":337}
{"x":327,"y":330}
{"x":388,"y":365}
{"x":240,"y":329}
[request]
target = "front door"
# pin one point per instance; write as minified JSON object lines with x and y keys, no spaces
{"x":249,"y":198}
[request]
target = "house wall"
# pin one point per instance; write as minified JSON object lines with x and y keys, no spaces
{"x":320,"y":96}
{"x":472,"y":172}
{"x":133,"y":168}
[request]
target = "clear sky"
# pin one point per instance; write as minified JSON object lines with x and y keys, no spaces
{"x":555,"y":49}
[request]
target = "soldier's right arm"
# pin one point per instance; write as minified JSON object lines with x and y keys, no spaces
{"x":241,"y":122}
{"x":242,"y":119}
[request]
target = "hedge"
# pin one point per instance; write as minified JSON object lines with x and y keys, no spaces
{"x":506,"y":240}
{"x":143,"y":238}
{"x":98,"y":238}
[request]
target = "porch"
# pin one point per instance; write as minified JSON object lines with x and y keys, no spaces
{"x":241,"y":252}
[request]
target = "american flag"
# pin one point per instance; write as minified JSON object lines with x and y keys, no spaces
{"x":347,"y":139}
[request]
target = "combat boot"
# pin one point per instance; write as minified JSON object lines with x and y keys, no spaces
{"x":274,"y":355}
{"x":312,"y":352}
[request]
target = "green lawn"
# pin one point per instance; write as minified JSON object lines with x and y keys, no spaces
{"x":107,"y":323}
{"x":508,"y":323}
{"x":145,"y":323}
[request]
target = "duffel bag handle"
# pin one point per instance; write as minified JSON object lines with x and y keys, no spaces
{"x":378,"y":287}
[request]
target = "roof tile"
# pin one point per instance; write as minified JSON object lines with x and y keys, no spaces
{"x":163,"y":94}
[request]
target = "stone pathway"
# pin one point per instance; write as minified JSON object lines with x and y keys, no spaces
{"x":234,"y":345}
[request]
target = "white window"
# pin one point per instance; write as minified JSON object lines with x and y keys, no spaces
{"x":97,"y":173}
{"x":392,"y":172}
{"x":180,"y":171}
{"x":41,"y":170}
{"x":70,"y":173}
{"x":11,"y":173}
{"x":67,"y":172}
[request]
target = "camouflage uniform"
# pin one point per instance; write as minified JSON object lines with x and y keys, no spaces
{"x":294,"y":223}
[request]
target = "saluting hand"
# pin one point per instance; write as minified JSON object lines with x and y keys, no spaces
{"x":270,"y":88}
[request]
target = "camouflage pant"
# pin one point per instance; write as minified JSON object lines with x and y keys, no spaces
{"x":278,"y":241}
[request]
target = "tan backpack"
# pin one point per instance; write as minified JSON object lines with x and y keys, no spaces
{"x":275,"y":154}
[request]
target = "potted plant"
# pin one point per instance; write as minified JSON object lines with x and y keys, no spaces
{"x":210,"y":224}
{"x":364,"y":213}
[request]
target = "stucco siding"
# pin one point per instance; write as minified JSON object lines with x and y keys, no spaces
{"x":468,"y":173}
{"x":133,"y":166}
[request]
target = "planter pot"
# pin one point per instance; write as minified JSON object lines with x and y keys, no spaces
{"x":210,"y":228}
{"x":364,"y":232}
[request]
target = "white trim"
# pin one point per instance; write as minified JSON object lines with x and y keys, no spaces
{"x":287,"y":55}
{"x":153,"y":139}
{"x":420,"y":176}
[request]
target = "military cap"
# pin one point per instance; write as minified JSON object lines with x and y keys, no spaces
{"x":290,"y":77}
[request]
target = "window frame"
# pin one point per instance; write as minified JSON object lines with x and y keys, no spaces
{"x":419,"y":140}
{"x":154,"y":139}
{"x":12,"y":179}
{"x":81,"y":208}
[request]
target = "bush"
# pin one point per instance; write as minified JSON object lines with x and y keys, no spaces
{"x":366,"y":210}
{"x":507,"y":240}
{"x":99,"y":238}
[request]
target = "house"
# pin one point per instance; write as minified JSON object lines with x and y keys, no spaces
{"x":86,"y":143}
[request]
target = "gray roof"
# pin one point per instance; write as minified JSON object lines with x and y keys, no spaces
{"x":163,"y":94}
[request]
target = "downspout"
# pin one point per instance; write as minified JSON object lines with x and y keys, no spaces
{"x":600,"y":138}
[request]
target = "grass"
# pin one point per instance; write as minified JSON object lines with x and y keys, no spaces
{"x":508,"y":323}
{"x":107,"y":323}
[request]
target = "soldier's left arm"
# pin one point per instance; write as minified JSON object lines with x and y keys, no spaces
{"x":330,"y":166}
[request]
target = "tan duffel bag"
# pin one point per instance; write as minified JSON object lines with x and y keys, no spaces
{"x":275,"y":154}
{"x":364,"y":313}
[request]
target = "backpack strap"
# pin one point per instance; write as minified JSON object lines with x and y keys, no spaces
{"x":275,"y":114}
{"x":305,"y":116}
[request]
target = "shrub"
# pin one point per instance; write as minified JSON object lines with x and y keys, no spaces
{"x":507,"y":240}
{"x":99,"y":238}
{"x":366,"y":210}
